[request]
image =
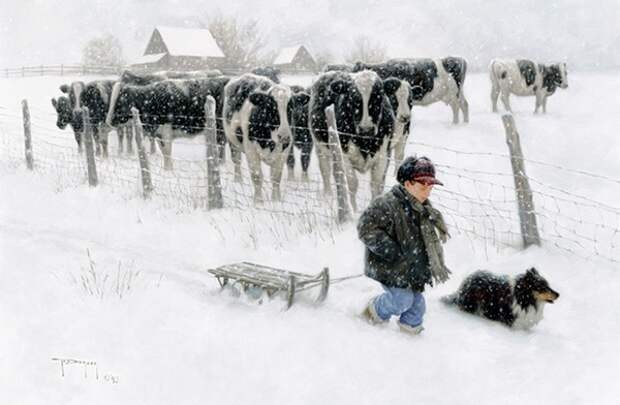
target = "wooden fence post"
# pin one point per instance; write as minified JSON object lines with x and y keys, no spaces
{"x":342,"y":187}
{"x":214,"y":186}
{"x":27,"y":134}
{"x":90,"y":153}
{"x":527,"y":214}
{"x":145,"y":172}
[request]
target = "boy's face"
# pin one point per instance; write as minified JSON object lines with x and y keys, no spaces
{"x":421,"y":191}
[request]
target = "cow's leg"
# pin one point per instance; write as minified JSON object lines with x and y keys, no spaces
{"x":78,"y":139}
{"x":166,"y":147}
{"x":494,"y":96}
{"x":454,"y":104}
{"x":129,"y":137}
{"x":538,"y":103}
{"x":398,"y":142}
{"x":325,"y":166}
{"x":544,"y":104}
{"x":352,"y":182}
{"x":96,"y":141}
{"x":221,"y":144}
{"x":256,"y":173}
{"x":235,"y":156}
{"x":377,"y":172}
{"x":506,"y":100}
{"x":290,"y":163}
{"x":464,"y":107}
{"x":276,"y":175}
{"x":306,"y":151}
{"x":103,"y":138}
{"x":120,"y":132}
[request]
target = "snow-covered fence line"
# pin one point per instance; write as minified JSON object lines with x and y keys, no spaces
{"x":61,"y":70}
{"x":478,"y":204}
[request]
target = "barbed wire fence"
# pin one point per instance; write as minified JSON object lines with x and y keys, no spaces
{"x":480,"y":205}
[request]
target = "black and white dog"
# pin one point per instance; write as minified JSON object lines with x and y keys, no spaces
{"x":257,"y":115}
{"x":525,"y":78}
{"x":517,"y":302}
{"x":365,"y":121}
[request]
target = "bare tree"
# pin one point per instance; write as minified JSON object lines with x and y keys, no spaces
{"x":323,"y":58}
{"x":103,"y":51}
{"x":241,"y":41}
{"x":365,"y":50}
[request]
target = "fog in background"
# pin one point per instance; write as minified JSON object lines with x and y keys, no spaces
{"x":586,"y":34}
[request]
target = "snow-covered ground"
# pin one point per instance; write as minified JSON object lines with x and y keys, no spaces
{"x":173,"y":337}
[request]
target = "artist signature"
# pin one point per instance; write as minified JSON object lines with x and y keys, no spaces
{"x":87,"y":365}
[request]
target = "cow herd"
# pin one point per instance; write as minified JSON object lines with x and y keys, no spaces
{"x":260,"y":117}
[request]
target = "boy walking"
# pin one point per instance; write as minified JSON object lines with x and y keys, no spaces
{"x":403,"y":233}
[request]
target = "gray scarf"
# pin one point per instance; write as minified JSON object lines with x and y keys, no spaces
{"x":434,"y":230}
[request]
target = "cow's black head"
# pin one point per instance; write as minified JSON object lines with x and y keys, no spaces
{"x":270,"y":117}
{"x":359,"y":104}
{"x":64,"y":112}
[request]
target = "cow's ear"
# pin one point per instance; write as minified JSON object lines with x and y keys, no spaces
{"x":64,"y":88}
{"x":533,"y":272}
{"x":391,"y":85}
{"x":339,"y":87}
{"x":301,"y":99}
{"x":55,"y":103}
{"x":259,"y":99}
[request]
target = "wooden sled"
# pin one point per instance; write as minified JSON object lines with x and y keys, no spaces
{"x":271,"y":280}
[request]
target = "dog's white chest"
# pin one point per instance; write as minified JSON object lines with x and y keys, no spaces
{"x":526,"y":318}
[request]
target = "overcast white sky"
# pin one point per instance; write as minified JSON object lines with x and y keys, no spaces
{"x":586,"y":34}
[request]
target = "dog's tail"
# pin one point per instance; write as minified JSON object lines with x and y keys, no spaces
{"x":450,"y":299}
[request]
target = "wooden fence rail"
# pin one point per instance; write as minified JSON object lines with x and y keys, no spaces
{"x":61,"y":70}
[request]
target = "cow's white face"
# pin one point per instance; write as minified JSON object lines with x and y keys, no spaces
{"x":405,"y":101}
{"x":282,"y":96}
{"x":365,"y":83}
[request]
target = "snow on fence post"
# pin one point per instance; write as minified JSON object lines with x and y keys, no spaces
{"x":27,"y":134}
{"x":90,"y":152}
{"x":527,"y":215}
{"x":342,"y":187}
{"x":214,"y":186}
{"x":145,"y":171}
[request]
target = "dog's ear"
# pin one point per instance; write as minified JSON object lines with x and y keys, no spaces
{"x":533,"y":272}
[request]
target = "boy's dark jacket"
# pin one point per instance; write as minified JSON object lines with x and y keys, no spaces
{"x":390,"y":228}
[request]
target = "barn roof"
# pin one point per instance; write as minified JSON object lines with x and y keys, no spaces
{"x":151,"y":58}
{"x":286,"y":55}
{"x":190,"y":42}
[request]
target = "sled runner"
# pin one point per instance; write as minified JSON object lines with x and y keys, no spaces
{"x":271,"y":280}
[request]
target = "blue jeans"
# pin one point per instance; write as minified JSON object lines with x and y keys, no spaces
{"x":410,"y":305}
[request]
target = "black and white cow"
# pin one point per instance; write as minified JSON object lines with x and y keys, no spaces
{"x":257,"y":116}
{"x":430,"y":80}
{"x":169,"y":109}
{"x":64,"y":107}
{"x":365,"y":122}
{"x":525,"y":78}
{"x":95,"y":96}
{"x":302,"y":139}
{"x":217,"y":91}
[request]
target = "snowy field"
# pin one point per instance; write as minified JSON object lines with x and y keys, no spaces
{"x":101,"y":275}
